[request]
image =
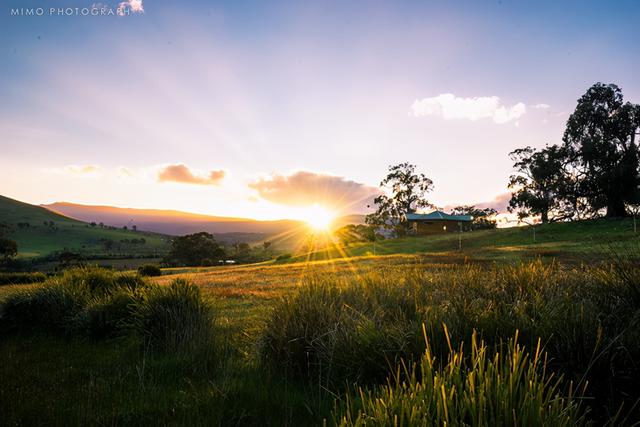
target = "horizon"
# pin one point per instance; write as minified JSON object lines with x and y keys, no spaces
{"x":269,"y":111}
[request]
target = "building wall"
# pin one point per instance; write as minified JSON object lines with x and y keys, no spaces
{"x":423,"y":228}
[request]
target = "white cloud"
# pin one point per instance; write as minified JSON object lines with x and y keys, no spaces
{"x":541,"y":106}
{"x":450,"y":107}
{"x":308,"y":188}
{"x":130,"y":6}
{"x":82,"y":169}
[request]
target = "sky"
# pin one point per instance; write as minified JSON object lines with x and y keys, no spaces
{"x":265,"y":109}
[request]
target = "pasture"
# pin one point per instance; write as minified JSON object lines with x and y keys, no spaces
{"x":313,"y":342}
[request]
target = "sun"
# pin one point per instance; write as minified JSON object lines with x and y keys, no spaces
{"x":318,"y":217}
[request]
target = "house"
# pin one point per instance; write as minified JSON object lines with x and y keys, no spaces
{"x":437,"y":222}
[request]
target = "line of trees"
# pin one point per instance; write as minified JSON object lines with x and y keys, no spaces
{"x":594,"y":171}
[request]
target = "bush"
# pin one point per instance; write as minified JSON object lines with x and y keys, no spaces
{"x":283,"y":257}
{"x":175,"y":318}
{"x":79,"y":300}
{"x":51,"y":306}
{"x":509,"y":388}
{"x":21,"y":278}
{"x":149,"y":270}
{"x":109,"y":316}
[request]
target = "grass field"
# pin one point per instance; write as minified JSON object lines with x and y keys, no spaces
{"x":278,"y":324}
{"x":40,"y":232}
{"x":570,"y":242}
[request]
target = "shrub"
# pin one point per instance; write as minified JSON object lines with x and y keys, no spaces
{"x":79,"y":300}
{"x":21,"y":278}
{"x":149,"y":270}
{"x":481,"y":389}
{"x":283,"y":257}
{"x":175,"y":318}
{"x":109,"y":316}
{"x":51,"y":306}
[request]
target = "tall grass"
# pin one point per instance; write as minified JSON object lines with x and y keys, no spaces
{"x":337,"y":329}
{"x":21,"y":278}
{"x":483,"y":388}
{"x":175,"y":318}
{"x":99,"y":303}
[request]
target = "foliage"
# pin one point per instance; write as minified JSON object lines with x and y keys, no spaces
{"x":193,"y":249}
{"x":601,"y":142}
{"x":595,"y":168}
{"x":150,"y":270}
{"x":8,"y":249}
{"x":21,"y":278}
{"x":484,"y":388}
{"x":482,"y":218}
{"x":175,"y":318}
{"x":540,"y":184}
{"x":352,"y":233}
{"x":284,"y":256}
{"x":408,"y":191}
{"x":334,"y":330}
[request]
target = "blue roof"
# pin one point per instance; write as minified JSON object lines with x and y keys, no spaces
{"x":438,"y":216}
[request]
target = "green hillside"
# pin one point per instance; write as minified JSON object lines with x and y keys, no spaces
{"x":572,"y":241}
{"x":40,"y":232}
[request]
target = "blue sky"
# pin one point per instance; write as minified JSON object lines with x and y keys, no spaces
{"x":292,"y":104}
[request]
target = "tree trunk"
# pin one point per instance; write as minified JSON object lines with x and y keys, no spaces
{"x":545,"y":216}
{"x":616,"y":208}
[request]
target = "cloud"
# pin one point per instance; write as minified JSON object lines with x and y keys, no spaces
{"x":182,"y":174}
{"x":499,"y":203}
{"x":450,"y":107}
{"x":309,"y":188}
{"x":130,"y":6}
{"x":84,"y":169}
{"x":541,"y":106}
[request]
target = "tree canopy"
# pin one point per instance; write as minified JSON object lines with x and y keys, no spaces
{"x":594,"y":170}
{"x":407,"y":193}
{"x":196,"y":249}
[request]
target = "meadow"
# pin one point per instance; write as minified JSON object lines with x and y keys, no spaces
{"x":41,"y":233}
{"x":406,"y":339}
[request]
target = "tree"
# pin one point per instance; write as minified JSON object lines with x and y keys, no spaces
{"x":352,"y":233}
{"x":600,"y":139}
{"x":482,"y":218}
{"x":540,"y":183}
{"x":407,"y":190}
{"x":8,"y":249}
{"x":266,"y":245}
{"x":192,"y":249}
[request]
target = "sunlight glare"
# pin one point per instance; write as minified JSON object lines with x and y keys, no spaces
{"x":318,"y":217}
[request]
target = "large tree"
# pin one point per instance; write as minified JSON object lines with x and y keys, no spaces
{"x":406,"y":190}
{"x":540,"y":183}
{"x":195,"y":249}
{"x":600,"y":140}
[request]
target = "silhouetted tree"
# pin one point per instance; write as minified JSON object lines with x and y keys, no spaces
{"x":192,"y":249}
{"x":540,"y":182}
{"x":8,"y":249}
{"x":600,"y":140}
{"x":482,"y":218}
{"x":408,"y":191}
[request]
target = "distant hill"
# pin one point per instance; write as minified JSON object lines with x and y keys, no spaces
{"x":39,"y":232}
{"x":173,"y":222}
{"x":170,"y":221}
